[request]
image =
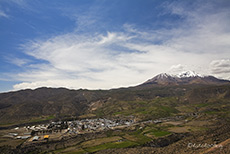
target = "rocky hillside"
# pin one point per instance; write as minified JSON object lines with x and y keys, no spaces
{"x":44,"y":104}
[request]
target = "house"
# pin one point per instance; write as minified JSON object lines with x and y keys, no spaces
{"x":25,"y":137}
{"x":18,"y":137}
{"x":27,"y":133}
{"x":13,"y":134}
{"x":35,"y":138}
{"x":46,"y":137}
{"x":157,"y":121}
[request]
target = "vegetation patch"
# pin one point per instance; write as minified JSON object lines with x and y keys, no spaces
{"x":85,"y":116}
{"x":203,"y":105}
{"x":159,"y":133}
{"x":122,"y":144}
{"x":99,"y":141}
{"x":161,"y":107}
{"x":138,"y":138}
{"x":42,"y":119}
{"x":77,"y":151}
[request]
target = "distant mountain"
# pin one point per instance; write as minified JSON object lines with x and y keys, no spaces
{"x":184,"y":78}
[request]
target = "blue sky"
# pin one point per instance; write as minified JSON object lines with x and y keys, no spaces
{"x":102,"y":44}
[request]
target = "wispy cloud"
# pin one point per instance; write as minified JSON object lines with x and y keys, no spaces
{"x":3,"y":14}
{"x":132,"y":55}
{"x":17,"y":61}
{"x":20,"y":3}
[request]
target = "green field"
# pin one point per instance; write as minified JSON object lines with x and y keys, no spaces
{"x":122,"y":144}
{"x":160,"y":107}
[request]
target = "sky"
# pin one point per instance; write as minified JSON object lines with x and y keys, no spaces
{"x":104,"y":44}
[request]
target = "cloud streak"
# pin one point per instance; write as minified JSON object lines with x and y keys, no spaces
{"x":221,"y":68}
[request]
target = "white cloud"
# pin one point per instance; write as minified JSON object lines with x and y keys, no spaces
{"x":132,"y":56}
{"x":221,"y":68}
{"x":3,"y":14}
{"x":175,"y":69}
{"x":114,"y":38}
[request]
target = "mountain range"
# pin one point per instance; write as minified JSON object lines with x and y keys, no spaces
{"x":44,"y":104}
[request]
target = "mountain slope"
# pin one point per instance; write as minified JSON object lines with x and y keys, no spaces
{"x":44,"y":102}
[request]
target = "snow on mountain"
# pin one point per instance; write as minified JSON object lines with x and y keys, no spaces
{"x":163,"y":75}
{"x":188,"y":74}
{"x":185,"y":74}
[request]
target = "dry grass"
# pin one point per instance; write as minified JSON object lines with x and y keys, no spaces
{"x":180,"y":129}
{"x":11,"y":142}
{"x":175,"y":123}
{"x":198,"y":123}
{"x":87,"y":116}
{"x":131,"y":137}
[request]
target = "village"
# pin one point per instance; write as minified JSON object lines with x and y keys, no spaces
{"x":59,"y":129}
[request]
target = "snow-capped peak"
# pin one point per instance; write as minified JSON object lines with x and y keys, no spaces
{"x":163,"y":75}
{"x":187,"y":74}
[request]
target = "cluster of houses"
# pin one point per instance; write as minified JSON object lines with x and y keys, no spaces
{"x":95,"y":124}
{"x":37,"y":132}
{"x":66,"y":127}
